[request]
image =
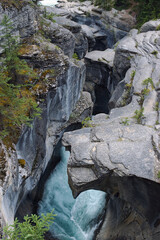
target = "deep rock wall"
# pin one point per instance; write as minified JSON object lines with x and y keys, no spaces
{"x":60,"y":87}
{"x":121,"y":150}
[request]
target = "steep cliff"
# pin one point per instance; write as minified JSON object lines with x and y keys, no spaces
{"x":122,"y":153}
{"x":59,"y":87}
{"x":119,"y":153}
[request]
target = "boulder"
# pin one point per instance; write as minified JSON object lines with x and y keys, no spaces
{"x":60,"y":36}
{"x":67,"y":23}
{"x":83,"y":109}
{"x":105,"y":57}
{"x":152,"y":25}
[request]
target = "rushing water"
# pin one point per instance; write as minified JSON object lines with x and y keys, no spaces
{"x":76,"y":219}
{"x":49,"y":2}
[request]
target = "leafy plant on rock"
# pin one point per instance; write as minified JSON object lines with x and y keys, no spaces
{"x":33,"y":227}
{"x":158,"y":28}
{"x":125,"y":121}
{"x":75,"y":56}
{"x":139,"y":115}
{"x":87,"y":122}
{"x":147,"y":82}
{"x":158,"y":174}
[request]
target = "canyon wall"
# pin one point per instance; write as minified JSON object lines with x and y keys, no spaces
{"x":121,"y":149}
{"x":119,"y":152}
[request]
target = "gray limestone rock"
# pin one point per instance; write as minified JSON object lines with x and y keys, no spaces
{"x":111,"y":148}
{"x":55,"y":11}
{"x":119,"y":19}
{"x":120,"y":151}
{"x":83,"y":108}
{"x":67,"y":23}
{"x":61,"y":80}
{"x":117,"y":93}
{"x":81,"y":44}
{"x":25,"y":22}
{"x":105,"y":27}
{"x":99,"y":83}
{"x":60,"y":36}
{"x":150,"y":26}
{"x":116,"y":154}
{"x":122,"y":160}
{"x":106,"y":56}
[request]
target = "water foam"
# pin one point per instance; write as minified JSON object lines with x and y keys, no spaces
{"x":76,"y":219}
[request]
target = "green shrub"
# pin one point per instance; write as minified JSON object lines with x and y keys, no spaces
{"x":133,"y":75}
{"x":158,"y":27}
{"x":33,"y":227}
{"x":147,"y":10}
{"x":48,"y":16}
{"x":147,"y":82}
{"x":158,"y":174}
{"x":156,"y":108}
{"x":154,"y":53}
{"x":125,"y":121}
{"x":75,"y":56}
{"x":139,"y":115}
{"x":87,"y":122}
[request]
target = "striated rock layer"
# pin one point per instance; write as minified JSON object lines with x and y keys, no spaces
{"x":120,"y":153}
{"x":49,"y":37}
{"x":59,"y":87}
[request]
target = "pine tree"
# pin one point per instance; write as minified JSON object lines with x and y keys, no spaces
{"x":17,"y":102}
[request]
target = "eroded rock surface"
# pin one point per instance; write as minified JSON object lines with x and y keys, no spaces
{"x":102,"y":28}
{"x":59,"y":87}
{"x":99,"y":82}
{"x":119,"y":154}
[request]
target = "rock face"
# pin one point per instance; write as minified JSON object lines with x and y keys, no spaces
{"x":99,"y":68}
{"x":60,"y":84}
{"x":101,"y":28}
{"x":92,"y":29}
{"x":121,"y":150}
{"x":24,"y":22}
{"x":120,"y":153}
{"x":150,"y":26}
